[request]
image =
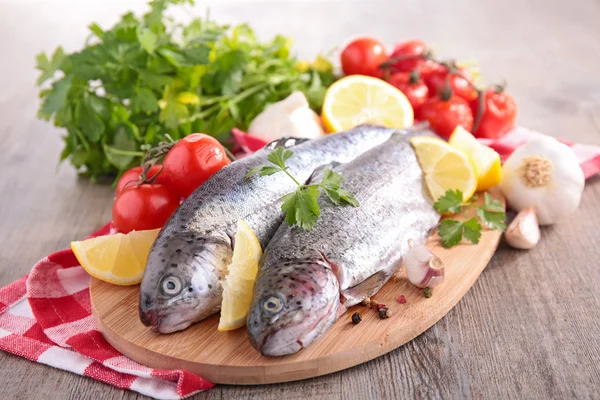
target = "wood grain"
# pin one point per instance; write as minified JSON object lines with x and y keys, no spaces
{"x":528,"y":328}
{"x":228,"y":357}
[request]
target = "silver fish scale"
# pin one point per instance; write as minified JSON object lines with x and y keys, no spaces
{"x":361,"y":241}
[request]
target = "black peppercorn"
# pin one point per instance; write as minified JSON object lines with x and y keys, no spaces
{"x":384,"y":313}
{"x":356,"y":318}
{"x":428,"y":292}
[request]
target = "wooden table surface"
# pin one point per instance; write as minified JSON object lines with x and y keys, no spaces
{"x":529,"y":327}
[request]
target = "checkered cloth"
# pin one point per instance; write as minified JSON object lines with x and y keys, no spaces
{"x":46,"y":316}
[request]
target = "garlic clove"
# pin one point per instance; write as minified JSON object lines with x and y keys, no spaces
{"x":423,"y":268}
{"x":524,"y":231}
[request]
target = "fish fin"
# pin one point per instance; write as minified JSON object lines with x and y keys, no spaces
{"x":285,"y":142}
{"x":369,"y":286}
{"x":317,"y":175}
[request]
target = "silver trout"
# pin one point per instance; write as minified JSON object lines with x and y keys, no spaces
{"x":307,"y":279}
{"x":188,"y":260}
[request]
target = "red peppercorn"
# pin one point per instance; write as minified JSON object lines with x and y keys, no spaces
{"x":401,"y":299}
{"x":380,"y":306}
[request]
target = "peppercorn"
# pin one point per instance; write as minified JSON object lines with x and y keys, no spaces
{"x":366,"y":302}
{"x":373,"y":304}
{"x":383,"y":313}
{"x":356,"y":318}
{"x":401,"y":299}
{"x":428,"y":292}
{"x":380,"y":306}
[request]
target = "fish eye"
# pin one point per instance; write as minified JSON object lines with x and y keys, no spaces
{"x":171,"y":285}
{"x":272,"y":304}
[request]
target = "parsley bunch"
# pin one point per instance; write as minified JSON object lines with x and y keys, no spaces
{"x":147,"y":76}
{"x":452,"y":231}
{"x":301,"y":207}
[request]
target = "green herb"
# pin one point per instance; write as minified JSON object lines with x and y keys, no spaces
{"x":452,"y":231}
{"x":147,"y":76}
{"x":301,"y":207}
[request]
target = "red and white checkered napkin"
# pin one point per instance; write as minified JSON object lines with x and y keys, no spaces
{"x":46,"y":317}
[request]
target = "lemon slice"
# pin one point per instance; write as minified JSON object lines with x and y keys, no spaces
{"x":239,"y":283}
{"x":118,"y":259}
{"x":485,"y":161}
{"x":359,"y":99}
{"x":444,"y":168}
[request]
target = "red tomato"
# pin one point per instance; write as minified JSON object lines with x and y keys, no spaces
{"x":131,"y":177}
{"x":192,"y":160}
{"x":436,"y":82}
{"x":145,"y":206}
{"x":499,"y":115}
{"x":445,"y":115}
{"x":363,"y":57}
{"x":412,"y":48}
{"x":412,"y":87}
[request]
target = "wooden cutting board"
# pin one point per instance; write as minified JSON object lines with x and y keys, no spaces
{"x":228,"y":357}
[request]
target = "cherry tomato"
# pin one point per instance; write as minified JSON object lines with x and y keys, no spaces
{"x":192,"y":160}
{"x":499,"y":115}
{"x":446,"y":114}
{"x":412,"y":86}
{"x":436,"y":82}
{"x":363,"y":57}
{"x":412,"y":48}
{"x":145,"y":206}
{"x":132,"y":176}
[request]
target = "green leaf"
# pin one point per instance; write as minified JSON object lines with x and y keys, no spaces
{"x":145,"y":101}
{"x":333,"y":195}
{"x":451,"y":232}
{"x":451,"y":201}
{"x":279,"y":156}
{"x":253,"y":172}
{"x":331,"y":180}
{"x":49,"y":67}
{"x":493,"y":219}
{"x":122,"y":151}
{"x":96,"y":30}
{"x":348,"y":198}
{"x":155,"y":81}
{"x":148,"y":40}
{"x":90,"y":122}
{"x":267,"y":170}
{"x":301,"y":207}
{"x":492,"y":204}
{"x":225,"y":74}
{"x":56,"y":98}
{"x":173,"y":57}
{"x":472,"y":230}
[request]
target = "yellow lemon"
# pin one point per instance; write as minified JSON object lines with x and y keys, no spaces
{"x":239,"y":283}
{"x":485,"y":161}
{"x":358,"y":99}
{"x":118,"y":259}
{"x":444,"y":168}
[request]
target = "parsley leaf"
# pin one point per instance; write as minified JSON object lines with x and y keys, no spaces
{"x":451,"y":201}
{"x":451,"y":232}
{"x":301,"y":207}
{"x":279,"y":156}
{"x":472,"y":230}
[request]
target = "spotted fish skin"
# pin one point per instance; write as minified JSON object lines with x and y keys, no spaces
{"x":308,"y":278}
{"x":182,"y":281}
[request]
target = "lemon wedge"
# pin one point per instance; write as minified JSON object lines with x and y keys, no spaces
{"x":239,"y":283}
{"x":444,"y":168}
{"x":359,"y":99}
{"x":118,"y":259}
{"x":485,"y":161}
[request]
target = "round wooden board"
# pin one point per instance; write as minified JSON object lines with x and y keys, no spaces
{"x":228,"y":357}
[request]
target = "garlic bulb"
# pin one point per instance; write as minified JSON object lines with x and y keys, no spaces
{"x":291,"y":116}
{"x":545,"y":175}
{"x":524,"y":231}
{"x":424,"y":269}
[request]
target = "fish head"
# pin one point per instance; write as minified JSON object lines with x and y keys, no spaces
{"x":292,"y":305}
{"x":182,"y":281}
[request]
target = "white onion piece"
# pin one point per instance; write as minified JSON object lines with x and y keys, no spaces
{"x":424,"y":269}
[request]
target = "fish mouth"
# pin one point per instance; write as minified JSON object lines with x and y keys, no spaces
{"x":270,"y":347}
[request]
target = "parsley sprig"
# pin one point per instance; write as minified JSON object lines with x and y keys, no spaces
{"x":301,"y":207}
{"x":490,"y":214}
